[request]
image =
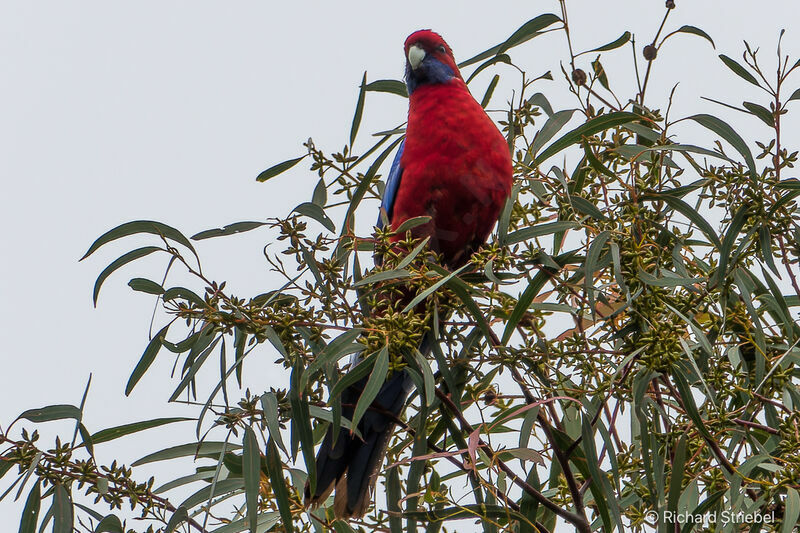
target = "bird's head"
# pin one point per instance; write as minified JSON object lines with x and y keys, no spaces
{"x":429,"y":60}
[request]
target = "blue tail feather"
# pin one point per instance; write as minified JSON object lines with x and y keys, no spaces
{"x":352,"y":464}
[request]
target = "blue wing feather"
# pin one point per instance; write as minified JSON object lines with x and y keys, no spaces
{"x":392,"y":185}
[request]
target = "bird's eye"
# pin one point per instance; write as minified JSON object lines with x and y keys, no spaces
{"x":441,"y":49}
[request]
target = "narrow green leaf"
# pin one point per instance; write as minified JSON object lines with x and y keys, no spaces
{"x":355,"y":374}
{"x":52,"y":412}
{"x":761,"y":112}
{"x":86,"y":439}
{"x":616,"y":43}
{"x":676,"y":475}
{"x":327,"y":415}
{"x":109,"y":524}
{"x":410,"y":257}
{"x":280,"y":168}
{"x":638,"y":152}
{"x":586,"y":207}
{"x":314,"y":211}
{"x":734,"y":228}
{"x":301,"y":425}
{"x":116,"y":432}
{"x":147,"y":359}
{"x":696,"y":31}
{"x":336,"y":349}
{"x":185,"y":450}
{"x":28,"y":473}
{"x":600,"y":73}
{"x":729,"y":134}
{"x":795,"y":96}
{"x":102,"y":485}
{"x":462,"y":292}
{"x":539,"y":230}
{"x":487,"y":96}
{"x":30,"y":513}
{"x":320,"y":195}
{"x":783,"y":200}
{"x":5,"y":466}
{"x":688,"y":402}
{"x":180,"y":516}
{"x":63,"y":518}
{"x":792,"y":184}
{"x":781,"y":307}
{"x":430,"y":290}
{"x":384,"y":276}
{"x":359,"y":110}
{"x":527,"y":31}
{"x":195,"y":367}
{"x":591,"y":127}
{"x":275,"y":472}
{"x":220,"y":488}
{"x":701,"y":509}
{"x":500,"y":58}
{"x":251,"y":467}
{"x":145,"y":285}
{"x":689,"y":212}
{"x":417,"y":468}
{"x":554,"y":123}
{"x":388,"y":86}
{"x":523,"y":454}
{"x":203,"y":475}
{"x":427,"y":377}
{"x":665,"y":281}
{"x":118,"y":263}
{"x":269,"y":405}
{"x":595,"y":163}
{"x":206,"y":336}
{"x":182,"y":293}
{"x":272,"y":337}
{"x":469,"y":511}
{"x":765,"y":245}
{"x":266,"y":521}
{"x":230,"y":229}
{"x":411,"y":223}
{"x":647,"y":133}
{"x":738,"y":69}
{"x":393,"y":498}
{"x":590,"y":266}
{"x":541,"y":101}
{"x":689,"y":148}
{"x":601,"y":498}
{"x":792,"y":511}
{"x":505,"y":215}
{"x":385,"y":134}
{"x":373,"y":386}
{"x":524,"y":301}
{"x":139,"y":226}
{"x":341,"y":526}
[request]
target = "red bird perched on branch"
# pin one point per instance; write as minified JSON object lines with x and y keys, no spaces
{"x":454,"y":167}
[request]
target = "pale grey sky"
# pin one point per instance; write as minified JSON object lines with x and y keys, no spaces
{"x":116,"y":111}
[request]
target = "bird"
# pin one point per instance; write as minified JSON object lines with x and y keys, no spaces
{"x":454,"y":166}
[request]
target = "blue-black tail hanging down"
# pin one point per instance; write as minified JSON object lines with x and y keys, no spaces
{"x":353,"y":463}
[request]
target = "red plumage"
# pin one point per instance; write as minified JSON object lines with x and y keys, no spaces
{"x":455,"y":167}
{"x":456,"y":163}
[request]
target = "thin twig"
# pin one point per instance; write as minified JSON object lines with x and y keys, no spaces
{"x":580,"y":523}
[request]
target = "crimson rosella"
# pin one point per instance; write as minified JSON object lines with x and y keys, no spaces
{"x":454,"y":167}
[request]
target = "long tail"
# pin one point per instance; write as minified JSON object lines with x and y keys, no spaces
{"x":352,"y":465}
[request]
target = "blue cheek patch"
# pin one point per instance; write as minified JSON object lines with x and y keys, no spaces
{"x":430,"y":71}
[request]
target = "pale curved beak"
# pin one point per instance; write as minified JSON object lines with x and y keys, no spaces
{"x":415,"y":56}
